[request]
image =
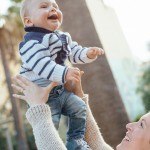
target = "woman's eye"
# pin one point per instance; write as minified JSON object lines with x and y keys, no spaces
{"x":141,"y":124}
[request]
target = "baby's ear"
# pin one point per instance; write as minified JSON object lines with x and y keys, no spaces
{"x":28,"y":22}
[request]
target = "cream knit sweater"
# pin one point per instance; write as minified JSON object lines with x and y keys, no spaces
{"x":46,"y":136}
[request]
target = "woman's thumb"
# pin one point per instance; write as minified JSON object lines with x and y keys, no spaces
{"x":51,"y":86}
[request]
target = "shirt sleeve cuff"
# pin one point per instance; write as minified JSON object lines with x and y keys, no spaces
{"x":59,"y":74}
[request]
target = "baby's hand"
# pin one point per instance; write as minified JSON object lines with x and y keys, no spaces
{"x":74,"y":86}
{"x":93,"y":52}
{"x":73,"y":74}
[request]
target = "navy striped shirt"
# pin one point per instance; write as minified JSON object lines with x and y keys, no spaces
{"x":43,"y":54}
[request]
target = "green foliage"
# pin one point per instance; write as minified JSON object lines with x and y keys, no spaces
{"x":29,"y":135}
{"x":138,"y":117}
{"x":13,"y":14}
{"x":14,"y":9}
{"x":16,"y":1}
{"x":3,"y":145}
{"x":144,"y":88}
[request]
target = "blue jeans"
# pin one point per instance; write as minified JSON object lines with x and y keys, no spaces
{"x":63,"y":102}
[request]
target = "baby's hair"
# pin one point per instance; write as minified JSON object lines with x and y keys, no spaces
{"x":24,"y":8}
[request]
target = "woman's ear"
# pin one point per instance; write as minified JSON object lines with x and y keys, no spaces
{"x":28,"y":22}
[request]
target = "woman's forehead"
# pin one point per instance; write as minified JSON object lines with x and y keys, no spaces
{"x":52,"y":1}
{"x":146,"y":118}
{"x":46,"y":1}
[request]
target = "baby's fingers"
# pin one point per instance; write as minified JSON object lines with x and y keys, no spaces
{"x":101,"y":51}
{"x":94,"y":52}
{"x":81,"y":73}
{"x":51,"y":86}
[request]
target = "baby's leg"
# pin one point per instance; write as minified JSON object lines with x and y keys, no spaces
{"x":55,"y":104}
{"x":75,"y":109}
{"x":53,"y":100}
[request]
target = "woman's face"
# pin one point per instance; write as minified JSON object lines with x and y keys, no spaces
{"x":137,"y":135}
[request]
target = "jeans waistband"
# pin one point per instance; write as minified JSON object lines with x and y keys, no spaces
{"x":57,"y":90}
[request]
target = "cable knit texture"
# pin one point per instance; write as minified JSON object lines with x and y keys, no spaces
{"x":93,"y":135}
{"x":46,"y":136}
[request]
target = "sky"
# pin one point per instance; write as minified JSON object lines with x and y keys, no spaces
{"x":3,"y":8}
{"x":134,"y":19}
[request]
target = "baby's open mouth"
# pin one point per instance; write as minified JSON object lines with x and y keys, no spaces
{"x":53,"y":17}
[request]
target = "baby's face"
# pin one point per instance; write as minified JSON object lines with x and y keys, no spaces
{"x":45,"y":14}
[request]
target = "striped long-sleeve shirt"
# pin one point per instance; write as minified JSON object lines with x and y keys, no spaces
{"x":43,"y":54}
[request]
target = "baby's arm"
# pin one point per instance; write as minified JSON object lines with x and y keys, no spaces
{"x":81,"y":55}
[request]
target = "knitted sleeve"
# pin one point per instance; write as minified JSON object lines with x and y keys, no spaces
{"x":78,"y":53}
{"x":46,"y":136}
{"x":93,"y":135}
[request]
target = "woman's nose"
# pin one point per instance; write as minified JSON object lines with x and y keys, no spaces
{"x":130,"y":126}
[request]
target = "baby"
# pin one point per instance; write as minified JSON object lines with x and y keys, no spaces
{"x":43,"y":52}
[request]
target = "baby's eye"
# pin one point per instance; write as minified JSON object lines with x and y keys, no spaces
{"x":44,"y":6}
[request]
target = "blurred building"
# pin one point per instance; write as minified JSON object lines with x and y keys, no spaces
{"x":120,"y":58}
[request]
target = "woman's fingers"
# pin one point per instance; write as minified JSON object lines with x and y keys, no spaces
{"x":51,"y":86}
{"x":19,"y":97}
{"x":18,"y":88}
{"x":19,"y":82}
{"x":23,"y":80}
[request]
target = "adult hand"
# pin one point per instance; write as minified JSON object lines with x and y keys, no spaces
{"x":31,"y":93}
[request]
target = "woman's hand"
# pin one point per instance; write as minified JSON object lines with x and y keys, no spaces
{"x":32,"y":94}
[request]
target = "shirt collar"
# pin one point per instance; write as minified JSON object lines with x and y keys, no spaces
{"x":37,"y":29}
